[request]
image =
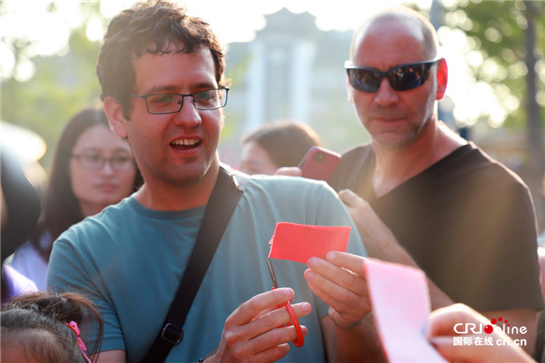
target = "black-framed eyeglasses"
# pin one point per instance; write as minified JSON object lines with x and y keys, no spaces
{"x":164,"y":103}
{"x":94,"y":161}
{"x":402,"y":78}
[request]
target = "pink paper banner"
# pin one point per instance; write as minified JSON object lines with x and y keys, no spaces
{"x":401,"y":306}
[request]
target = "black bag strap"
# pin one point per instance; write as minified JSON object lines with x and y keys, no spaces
{"x":224,"y":198}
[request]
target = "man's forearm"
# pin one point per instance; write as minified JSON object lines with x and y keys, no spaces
{"x":360,"y":343}
{"x":438,"y":298}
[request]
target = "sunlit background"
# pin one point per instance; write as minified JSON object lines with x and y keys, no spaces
{"x":237,"y":21}
{"x":285,"y":60}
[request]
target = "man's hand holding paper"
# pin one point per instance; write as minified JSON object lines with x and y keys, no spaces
{"x":333,"y":275}
{"x":340,"y":281}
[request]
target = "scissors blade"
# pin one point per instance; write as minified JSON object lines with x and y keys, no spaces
{"x":273,"y":275}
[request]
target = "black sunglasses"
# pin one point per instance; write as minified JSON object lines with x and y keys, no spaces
{"x":401,"y":78}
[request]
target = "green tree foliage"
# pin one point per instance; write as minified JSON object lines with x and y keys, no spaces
{"x":59,"y":89}
{"x":497,"y":29}
{"x":510,"y":35}
{"x":61,"y":86}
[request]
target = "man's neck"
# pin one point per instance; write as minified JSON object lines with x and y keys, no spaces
{"x":168,"y":197}
{"x":396,"y":165}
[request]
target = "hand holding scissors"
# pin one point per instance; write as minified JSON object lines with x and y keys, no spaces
{"x":255,"y":331}
{"x":294,"y":321}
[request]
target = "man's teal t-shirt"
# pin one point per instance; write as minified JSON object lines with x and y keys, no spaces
{"x":129,"y":260}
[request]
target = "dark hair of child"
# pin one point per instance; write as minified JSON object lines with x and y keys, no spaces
{"x":51,"y":328}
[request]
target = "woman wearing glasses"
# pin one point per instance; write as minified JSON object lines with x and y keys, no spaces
{"x":92,"y":169}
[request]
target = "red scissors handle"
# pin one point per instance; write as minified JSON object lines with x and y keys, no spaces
{"x":300,"y":339}
{"x":295,"y":322}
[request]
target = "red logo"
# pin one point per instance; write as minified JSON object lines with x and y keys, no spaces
{"x":488,"y":329}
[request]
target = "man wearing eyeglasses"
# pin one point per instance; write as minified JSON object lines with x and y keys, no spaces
{"x":423,"y":196}
{"x":163,"y":86}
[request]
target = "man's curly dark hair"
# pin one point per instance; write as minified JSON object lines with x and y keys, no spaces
{"x":150,"y":28}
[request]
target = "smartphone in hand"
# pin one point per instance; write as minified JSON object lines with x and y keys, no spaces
{"x":319,"y":163}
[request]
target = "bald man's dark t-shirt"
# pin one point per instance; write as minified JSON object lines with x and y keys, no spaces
{"x":468,"y":222}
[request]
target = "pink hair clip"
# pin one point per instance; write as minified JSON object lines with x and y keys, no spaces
{"x":74,"y":326}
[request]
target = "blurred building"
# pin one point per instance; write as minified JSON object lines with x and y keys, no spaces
{"x":293,"y":70}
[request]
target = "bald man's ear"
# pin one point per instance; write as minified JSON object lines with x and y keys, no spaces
{"x":115,"y":116}
{"x":442,"y":78}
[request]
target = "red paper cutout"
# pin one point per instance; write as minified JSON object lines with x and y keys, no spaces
{"x":298,"y":242}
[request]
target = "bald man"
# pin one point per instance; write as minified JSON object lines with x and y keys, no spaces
{"x":423,"y":196}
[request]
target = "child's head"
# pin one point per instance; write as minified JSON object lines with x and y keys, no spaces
{"x":44,"y":327}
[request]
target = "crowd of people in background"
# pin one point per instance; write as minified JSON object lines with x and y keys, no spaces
{"x":276,"y":145}
{"x":90,"y":273}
